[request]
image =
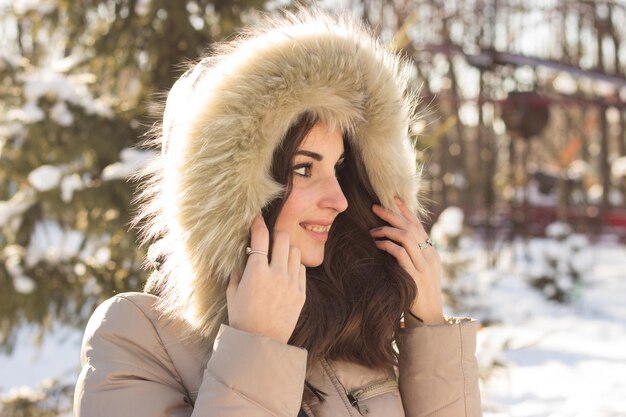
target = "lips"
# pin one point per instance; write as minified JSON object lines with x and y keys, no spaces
{"x":316,"y":227}
{"x":321,"y":233}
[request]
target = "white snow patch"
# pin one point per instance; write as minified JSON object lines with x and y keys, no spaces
{"x":28,"y":113}
{"x":10,"y":129}
{"x":131,"y":161}
{"x":18,"y":204}
{"x":65,"y":64}
{"x":558,"y":230}
{"x":39,"y":6}
{"x":534,"y":195}
{"x":9,"y":60}
{"x":448,"y":227}
{"x":13,"y":258}
{"x":51,"y":84}
{"x":50,"y":243}
{"x":70,"y":184}
{"x":23,"y":284}
{"x":45,"y":177}
{"x":61,"y":114}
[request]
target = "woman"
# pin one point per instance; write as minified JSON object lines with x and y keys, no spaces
{"x":281,"y":288}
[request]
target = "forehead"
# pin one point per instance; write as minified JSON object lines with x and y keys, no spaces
{"x":322,"y":139}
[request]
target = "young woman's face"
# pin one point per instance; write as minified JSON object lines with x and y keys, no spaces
{"x":316,"y":197}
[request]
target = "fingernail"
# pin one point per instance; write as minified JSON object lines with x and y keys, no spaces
{"x":398,"y":200}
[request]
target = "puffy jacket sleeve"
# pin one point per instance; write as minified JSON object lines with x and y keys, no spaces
{"x":438,"y":372}
{"x":126,"y":371}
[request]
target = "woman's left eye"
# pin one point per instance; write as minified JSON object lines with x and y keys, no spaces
{"x":305,"y":170}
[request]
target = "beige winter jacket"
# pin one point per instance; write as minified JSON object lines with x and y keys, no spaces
{"x":136,"y":364}
{"x":167,"y":352}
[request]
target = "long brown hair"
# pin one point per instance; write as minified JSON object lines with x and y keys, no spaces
{"x":356,"y":297}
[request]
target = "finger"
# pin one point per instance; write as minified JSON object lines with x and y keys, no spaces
{"x":259,"y":236}
{"x":294,"y":262}
{"x":404,"y":211}
{"x":280,"y":251}
{"x":302,"y":278}
{"x":421,"y":230}
{"x":408,"y":242}
{"x":422,"y":235}
{"x":411,"y":236}
{"x":397,"y":252}
{"x":429,"y":252}
{"x":412,"y":218}
{"x":394,"y":219}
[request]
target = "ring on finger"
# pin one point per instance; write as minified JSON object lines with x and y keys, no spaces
{"x":250,"y":251}
{"x":424,"y":245}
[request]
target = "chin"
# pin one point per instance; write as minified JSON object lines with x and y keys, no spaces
{"x":314,"y":261}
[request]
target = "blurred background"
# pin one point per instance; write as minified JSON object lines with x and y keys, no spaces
{"x":522,"y":139}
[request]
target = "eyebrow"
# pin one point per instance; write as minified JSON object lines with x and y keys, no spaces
{"x":315,"y":155}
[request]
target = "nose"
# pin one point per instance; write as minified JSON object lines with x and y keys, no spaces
{"x":333,"y":196}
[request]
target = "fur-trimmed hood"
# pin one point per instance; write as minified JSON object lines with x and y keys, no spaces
{"x":224,"y":118}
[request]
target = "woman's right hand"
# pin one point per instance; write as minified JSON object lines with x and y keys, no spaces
{"x":269,"y":296}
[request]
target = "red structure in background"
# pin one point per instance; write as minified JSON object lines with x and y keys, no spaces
{"x":584,"y":220}
{"x":526,"y":114}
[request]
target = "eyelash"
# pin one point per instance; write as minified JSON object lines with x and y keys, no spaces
{"x":309,"y":165}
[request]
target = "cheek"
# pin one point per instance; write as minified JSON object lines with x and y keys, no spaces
{"x":290,"y":214}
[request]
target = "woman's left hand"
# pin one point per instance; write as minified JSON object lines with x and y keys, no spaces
{"x":424,"y":265}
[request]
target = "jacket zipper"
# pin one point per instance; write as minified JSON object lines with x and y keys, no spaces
{"x":371,"y":390}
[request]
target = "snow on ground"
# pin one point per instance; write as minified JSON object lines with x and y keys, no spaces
{"x":559,"y":360}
